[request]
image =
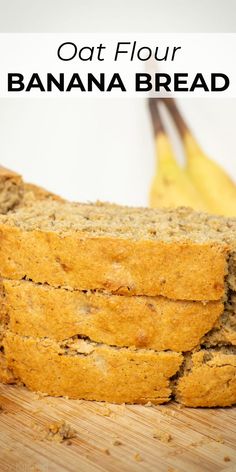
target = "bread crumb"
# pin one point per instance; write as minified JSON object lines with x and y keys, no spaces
{"x":40,"y":395}
{"x":117,"y":442}
{"x":106,"y":412}
{"x":138,"y":457}
{"x":162,"y":436}
{"x":37,"y":410}
{"x":59,"y":432}
{"x":219,"y":439}
{"x":106,"y":451}
{"x":179,"y":406}
{"x":167,"y":412}
{"x":3,"y":410}
{"x":201,"y":442}
{"x":149,"y":404}
{"x":227,"y":459}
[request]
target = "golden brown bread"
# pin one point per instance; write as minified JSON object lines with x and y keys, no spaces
{"x":150,"y":322}
{"x":80,"y":369}
{"x":37,"y":243}
{"x":208,"y":379}
{"x":121,"y":252}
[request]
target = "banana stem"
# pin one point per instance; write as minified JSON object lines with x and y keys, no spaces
{"x":192,"y":148}
{"x":180,"y":123}
{"x":157,"y":124}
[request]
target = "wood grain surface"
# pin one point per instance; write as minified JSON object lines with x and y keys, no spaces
{"x":114,"y":438}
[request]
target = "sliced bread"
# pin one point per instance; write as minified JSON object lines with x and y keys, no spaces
{"x":146,"y":322}
{"x":177,"y":254}
{"x":78,"y":368}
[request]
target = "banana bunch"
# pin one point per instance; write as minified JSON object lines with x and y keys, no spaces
{"x":201,"y":184}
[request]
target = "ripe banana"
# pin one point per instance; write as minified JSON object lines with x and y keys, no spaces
{"x":170,"y":186}
{"x":217,"y":189}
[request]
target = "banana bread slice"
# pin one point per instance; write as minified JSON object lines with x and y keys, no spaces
{"x":78,"y":368}
{"x":146,"y":322}
{"x":208,"y":378}
{"x":177,"y":254}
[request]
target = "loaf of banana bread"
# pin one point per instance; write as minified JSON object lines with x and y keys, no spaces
{"x":119,"y":304}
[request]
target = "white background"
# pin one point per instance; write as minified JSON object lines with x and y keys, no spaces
{"x":88,"y":149}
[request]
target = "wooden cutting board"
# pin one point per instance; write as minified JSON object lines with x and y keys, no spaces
{"x":114,"y":438}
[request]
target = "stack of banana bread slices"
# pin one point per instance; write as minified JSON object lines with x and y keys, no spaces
{"x":103,"y":302}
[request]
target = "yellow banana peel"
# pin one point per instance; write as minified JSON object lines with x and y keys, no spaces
{"x":170,"y":186}
{"x":217,"y":189}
